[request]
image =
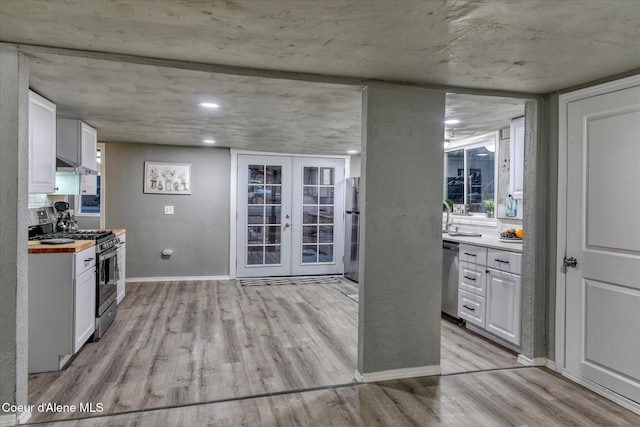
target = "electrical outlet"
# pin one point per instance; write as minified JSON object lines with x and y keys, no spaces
{"x":168,"y":210}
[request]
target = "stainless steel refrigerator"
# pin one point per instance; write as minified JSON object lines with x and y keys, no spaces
{"x":352,"y":228}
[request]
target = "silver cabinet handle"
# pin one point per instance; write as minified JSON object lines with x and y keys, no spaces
{"x":88,"y":259}
{"x":501,"y":261}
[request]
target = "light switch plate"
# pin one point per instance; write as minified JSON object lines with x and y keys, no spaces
{"x":168,"y":210}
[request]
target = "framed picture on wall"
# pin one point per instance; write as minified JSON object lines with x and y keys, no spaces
{"x":167,"y":178}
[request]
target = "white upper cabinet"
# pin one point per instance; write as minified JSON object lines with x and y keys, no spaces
{"x":77,"y":143}
{"x":89,"y":146}
{"x":42,"y":144}
{"x":516,"y":174}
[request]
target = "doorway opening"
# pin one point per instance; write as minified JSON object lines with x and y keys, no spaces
{"x":483,"y":195}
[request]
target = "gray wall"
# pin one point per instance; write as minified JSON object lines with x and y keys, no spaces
{"x":401,"y":238}
{"x":198,"y":232}
{"x":14,"y":72}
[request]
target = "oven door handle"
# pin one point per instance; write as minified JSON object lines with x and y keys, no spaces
{"x":108,"y":254}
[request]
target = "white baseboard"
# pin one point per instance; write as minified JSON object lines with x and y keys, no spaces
{"x":597,"y":388}
{"x":536,"y":361}
{"x":8,"y":420}
{"x":173,"y":279}
{"x":397,"y":374}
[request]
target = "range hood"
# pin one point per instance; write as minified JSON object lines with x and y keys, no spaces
{"x":76,"y":147}
{"x":62,"y":166}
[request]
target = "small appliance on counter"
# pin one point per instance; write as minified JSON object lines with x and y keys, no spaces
{"x":65,"y":222}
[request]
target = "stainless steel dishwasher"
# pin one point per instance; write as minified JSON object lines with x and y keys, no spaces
{"x":450,"y":279}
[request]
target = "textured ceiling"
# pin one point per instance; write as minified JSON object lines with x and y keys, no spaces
{"x":533,"y":46}
{"x":146,"y":103}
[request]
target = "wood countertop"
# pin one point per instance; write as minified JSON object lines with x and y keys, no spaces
{"x":36,"y":247}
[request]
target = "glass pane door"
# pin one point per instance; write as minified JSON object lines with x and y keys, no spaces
{"x":264,"y":207}
{"x":318,"y":215}
{"x":263,"y":234}
{"x":290,"y":216}
{"x":318,"y":202}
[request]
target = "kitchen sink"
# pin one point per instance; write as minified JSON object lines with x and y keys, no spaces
{"x":464,"y":234}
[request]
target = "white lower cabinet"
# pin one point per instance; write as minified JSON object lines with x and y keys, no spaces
{"x":489,"y":291}
{"x":503,"y":305}
{"x":62,"y":306}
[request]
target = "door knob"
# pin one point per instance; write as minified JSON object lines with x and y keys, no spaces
{"x":569,"y":262}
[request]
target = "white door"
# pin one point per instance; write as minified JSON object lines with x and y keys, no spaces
{"x":290,"y":216}
{"x":602,"y":291}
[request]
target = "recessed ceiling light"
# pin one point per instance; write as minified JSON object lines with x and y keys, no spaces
{"x":209,"y":141}
{"x":209,"y":105}
{"x":352,"y":152}
{"x":451,"y":122}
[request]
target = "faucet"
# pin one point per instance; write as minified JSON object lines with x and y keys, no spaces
{"x":448,"y":223}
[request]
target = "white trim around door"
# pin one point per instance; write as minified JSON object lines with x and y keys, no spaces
{"x":562,"y":230}
{"x":233,"y":214}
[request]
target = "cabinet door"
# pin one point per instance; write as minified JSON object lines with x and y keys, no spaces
{"x":42,"y":144}
{"x":503,"y":305}
{"x":122,"y":258}
{"x":89,"y":146}
{"x":516,"y":168}
{"x":88,"y":185}
{"x":85,"y":308}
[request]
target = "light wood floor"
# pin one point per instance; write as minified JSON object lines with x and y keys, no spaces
{"x":518,"y":397}
{"x":286,"y":355}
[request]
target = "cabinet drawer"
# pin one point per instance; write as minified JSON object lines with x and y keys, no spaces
{"x":509,"y":262}
{"x":471,"y":307}
{"x":84,"y":260}
{"x":472,"y":278}
{"x":474,"y":254}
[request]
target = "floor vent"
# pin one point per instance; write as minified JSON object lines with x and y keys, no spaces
{"x":296,"y":280}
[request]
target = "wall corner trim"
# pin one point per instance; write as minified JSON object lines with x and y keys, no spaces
{"x":536,"y":361}
{"x":397,"y":374}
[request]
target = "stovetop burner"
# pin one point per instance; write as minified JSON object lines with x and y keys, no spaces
{"x":104,"y":239}
{"x":75,"y":235}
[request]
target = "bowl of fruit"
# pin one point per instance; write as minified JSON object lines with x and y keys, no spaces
{"x":512,"y":235}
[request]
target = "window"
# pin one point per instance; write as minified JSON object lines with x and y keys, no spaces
{"x":470,"y":175}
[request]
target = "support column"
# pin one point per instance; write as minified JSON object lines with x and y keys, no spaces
{"x":401,"y":232}
{"x":535,"y":247}
{"x":14,"y":85}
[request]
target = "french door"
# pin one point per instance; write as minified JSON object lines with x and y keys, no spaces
{"x":290,"y":216}
{"x":602,"y":290}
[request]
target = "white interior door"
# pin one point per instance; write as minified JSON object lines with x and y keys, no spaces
{"x":602,"y":299}
{"x":290,"y":216}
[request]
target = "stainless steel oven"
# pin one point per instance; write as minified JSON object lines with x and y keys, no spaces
{"x":106,"y":284}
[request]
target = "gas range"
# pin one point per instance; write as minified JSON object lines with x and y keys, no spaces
{"x":104,"y":239}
